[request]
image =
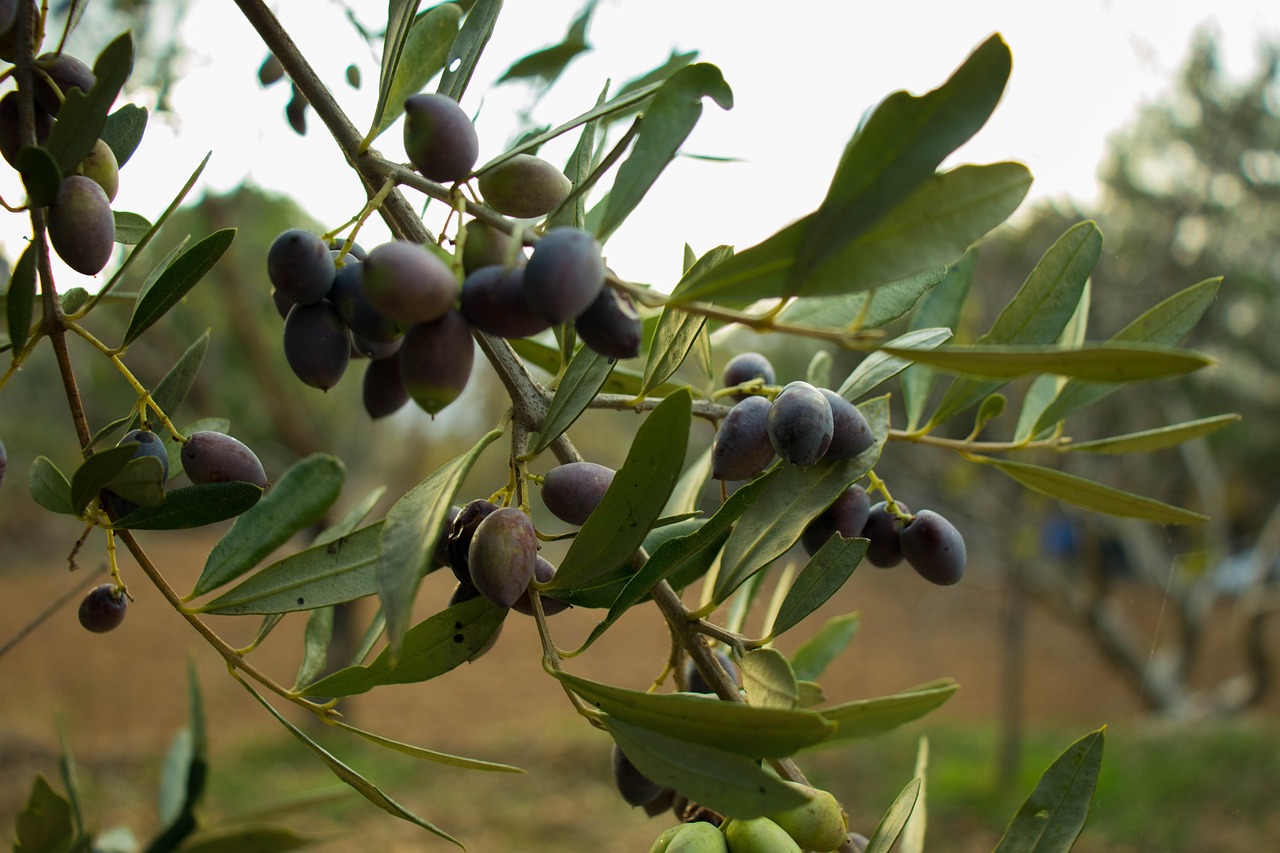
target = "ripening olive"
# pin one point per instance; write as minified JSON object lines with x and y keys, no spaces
{"x":636,"y":788}
{"x":694,"y":680}
{"x":10,"y":143}
{"x":461,"y":529}
{"x":502,"y":556}
{"x":439,"y":138}
{"x":215,"y":457}
{"x":846,"y":516}
{"x":103,"y":608}
{"x":572,"y":491}
{"x":883,"y":528}
{"x":611,"y":325}
{"x":493,"y":301}
{"x":800,"y":424}
{"x":65,"y":72}
{"x":487,"y":246}
{"x":149,"y":444}
{"x":82,"y":227}
{"x":301,"y":266}
{"x":524,"y":186}
{"x":317,"y":344}
{"x":543,"y":572}
{"x":850,"y":432}
{"x":934,"y":548}
{"x":436,"y":360}
{"x":383,"y":392}
{"x":564,"y":275}
{"x":742,"y":448}
{"x":408,"y":283}
{"x":746,"y":366}
{"x":349,"y":297}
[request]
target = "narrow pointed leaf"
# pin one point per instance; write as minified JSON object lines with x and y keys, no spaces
{"x":881,"y":366}
{"x":174,"y":283}
{"x":400,"y":18}
{"x":1155,"y":439}
{"x":351,"y":519}
{"x":914,"y":830}
{"x":898,"y":148}
{"x":759,"y":732}
{"x":667,"y":122}
{"x":20,"y":298}
{"x":867,"y":717}
{"x":768,"y":680}
{"x":1098,"y":363}
{"x":582,"y":380}
{"x":726,"y":782}
{"x":409,"y":537}
{"x":425,"y":50}
{"x":677,"y":331}
{"x":123,"y":131}
{"x":820,"y":579}
{"x":1038,"y":312}
{"x":425,"y":754}
{"x":367,"y":789}
{"x":811,"y":657}
{"x":546,"y":65}
{"x":49,"y":486}
{"x":174,"y":386}
{"x":315,"y":646}
{"x":429,"y":649}
{"x":84,"y":114}
{"x":326,"y":573}
{"x":890,"y":826}
{"x":1088,"y":494}
{"x":95,"y":472}
{"x":774,"y":522}
{"x":635,"y":498}
{"x":867,"y":309}
{"x":1051,"y":818}
{"x":298,"y":500}
{"x":573,"y":210}
{"x":1164,"y":324}
{"x":467,"y":48}
{"x":130,"y":227}
{"x":193,"y":506}
{"x":619,"y":380}
{"x":940,"y":307}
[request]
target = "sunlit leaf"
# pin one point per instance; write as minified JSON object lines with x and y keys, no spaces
{"x":1051,"y":818}
{"x":890,"y":826}
{"x":177,"y":279}
{"x":299,"y":499}
{"x":867,"y":717}
{"x":768,"y":680}
{"x":880,"y":366}
{"x":726,"y":782}
{"x":1090,"y":495}
{"x":634,"y":499}
{"x":866,"y":309}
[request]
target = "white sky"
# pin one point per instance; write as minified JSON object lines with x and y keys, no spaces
{"x":801,"y":80}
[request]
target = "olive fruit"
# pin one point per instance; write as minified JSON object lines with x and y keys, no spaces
{"x":696,"y":683}
{"x":10,"y":142}
{"x":301,"y":266}
{"x":100,"y":165}
{"x":9,"y":33}
{"x":270,"y":71}
{"x":611,"y":325}
{"x":502,"y":556}
{"x":493,"y":302}
{"x":742,"y":447}
{"x":817,"y":824}
{"x":436,"y":360}
{"x":699,"y":837}
{"x":408,"y":283}
{"x":439,"y":138}
{"x":933,"y":547}
{"x":850,"y":432}
{"x":524,"y":186}
{"x":883,"y":528}
{"x":664,"y":839}
{"x":488,"y":246}
{"x":846,"y":516}
{"x":382,"y":390}
{"x":572,"y":491}
{"x":317,"y":345}
{"x":543,"y":572}
{"x":4,"y":462}
{"x":65,"y":72}
{"x":760,"y":835}
{"x":800,"y":424}
{"x":215,"y":457}
{"x":357,"y":312}
{"x":8,"y":14}
{"x":295,"y":111}
{"x":149,"y":444}
{"x":461,"y":530}
{"x":564,"y":275}
{"x":82,"y":227}
{"x":636,"y":788}
{"x":746,"y":366}
{"x":103,"y":608}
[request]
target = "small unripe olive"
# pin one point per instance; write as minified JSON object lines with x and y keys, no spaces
{"x":524,"y":186}
{"x":100,"y":165}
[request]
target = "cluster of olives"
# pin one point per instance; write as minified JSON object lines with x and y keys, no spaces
{"x":80,"y":222}
{"x":818,"y":825}
{"x":926,"y":540}
{"x":802,"y":424}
